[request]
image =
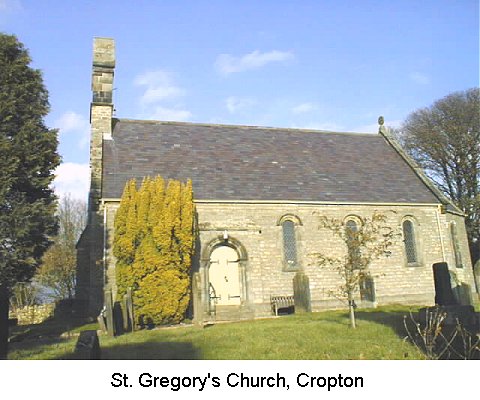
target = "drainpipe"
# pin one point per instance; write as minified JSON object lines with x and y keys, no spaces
{"x":437,"y":212}
{"x":104,"y":243}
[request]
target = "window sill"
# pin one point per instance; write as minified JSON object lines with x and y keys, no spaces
{"x":290,"y":268}
{"x":414,"y":265}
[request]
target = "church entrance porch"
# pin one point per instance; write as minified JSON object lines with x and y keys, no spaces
{"x":220,"y":287}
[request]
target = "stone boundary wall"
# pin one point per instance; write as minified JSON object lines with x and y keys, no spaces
{"x":33,"y":314}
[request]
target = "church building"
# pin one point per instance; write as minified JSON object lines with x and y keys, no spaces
{"x":259,"y":193}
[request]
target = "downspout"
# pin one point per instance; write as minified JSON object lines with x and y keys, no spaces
{"x":437,"y":212}
{"x":104,"y":243}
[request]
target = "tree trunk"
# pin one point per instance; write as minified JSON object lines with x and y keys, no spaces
{"x":3,"y":323}
{"x":352,"y":311}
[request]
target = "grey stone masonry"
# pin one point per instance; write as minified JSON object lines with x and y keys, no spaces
{"x":253,"y":230}
{"x":103,"y":69}
{"x":101,"y":111}
{"x":90,"y":265}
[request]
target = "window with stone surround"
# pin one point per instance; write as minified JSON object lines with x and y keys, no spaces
{"x":289,"y":244}
{"x":456,"y":245}
{"x":351,"y":230}
{"x":410,"y":243}
{"x":289,"y":237}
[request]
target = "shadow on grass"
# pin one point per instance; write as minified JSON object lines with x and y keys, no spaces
{"x":151,"y":351}
{"x":393,"y":319}
{"x":29,"y":338}
{"x":453,"y":342}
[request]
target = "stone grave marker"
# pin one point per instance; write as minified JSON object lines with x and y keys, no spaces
{"x":301,"y":292}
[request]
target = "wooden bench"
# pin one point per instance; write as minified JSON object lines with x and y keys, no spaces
{"x":278,"y":302}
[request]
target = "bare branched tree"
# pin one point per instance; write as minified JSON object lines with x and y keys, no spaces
{"x":57,"y":271}
{"x":364,"y":242}
{"x":445,"y":140}
{"x":437,"y":340}
{"x":428,"y":335}
{"x":24,"y":294}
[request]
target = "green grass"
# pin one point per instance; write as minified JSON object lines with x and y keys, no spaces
{"x":324,"y":335}
{"x":52,"y":339}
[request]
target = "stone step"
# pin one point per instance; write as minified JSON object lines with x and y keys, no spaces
{"x":232,"y":313}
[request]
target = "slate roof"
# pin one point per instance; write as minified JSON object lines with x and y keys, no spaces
{"x":255,"y":163}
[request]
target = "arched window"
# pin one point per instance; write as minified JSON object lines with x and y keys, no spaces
{"x":456,"y":245}
{"x":409,"y":241}
{"x":289,"y":244}
{"x":351,"y":230}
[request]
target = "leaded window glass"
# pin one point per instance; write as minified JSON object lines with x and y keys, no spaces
{"x":409,"y":241}
{"x":289,"y":244}
{"x":456,"y":246}
{"x":351,"y":229}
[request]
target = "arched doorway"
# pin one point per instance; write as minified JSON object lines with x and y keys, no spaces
{"x":224,"y":276}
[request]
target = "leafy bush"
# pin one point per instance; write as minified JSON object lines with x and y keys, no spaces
{"x":154,"y":243}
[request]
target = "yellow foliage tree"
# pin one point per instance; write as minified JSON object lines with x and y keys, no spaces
{"x":154,"y":244}
{"x":124,"y":240}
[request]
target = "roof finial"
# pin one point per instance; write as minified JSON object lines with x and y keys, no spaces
{"x":382,"y":129}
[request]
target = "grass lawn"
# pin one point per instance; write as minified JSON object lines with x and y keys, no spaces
{"x":324,"y":335}
{"x":52,"y":339}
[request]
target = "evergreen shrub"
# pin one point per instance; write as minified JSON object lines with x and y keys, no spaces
{"x":154,"y":243}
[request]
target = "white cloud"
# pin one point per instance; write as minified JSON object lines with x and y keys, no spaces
{"x":170,"y":114}
{"x":235,"y":104}
{"x":72,"y":123}
{"x":323,"y":126}
{"x":72,"y":178}
{"x":10,"y":5}
{"x":69,"y":121}
{"x":159,"y":86}
{"x":373,"y":128}
{"x":304,"y":108}
{"x":227,"y":64}
{"x":419,"y":78}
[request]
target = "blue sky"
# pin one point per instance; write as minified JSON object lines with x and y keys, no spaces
{"x":333,"y":65}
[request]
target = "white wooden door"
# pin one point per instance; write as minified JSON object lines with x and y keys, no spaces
{"x":224,"y":276}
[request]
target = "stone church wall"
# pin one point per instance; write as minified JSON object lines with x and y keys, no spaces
{"x":256,"y":227}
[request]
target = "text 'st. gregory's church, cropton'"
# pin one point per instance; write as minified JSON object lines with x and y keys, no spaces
{"x":259,"y":193}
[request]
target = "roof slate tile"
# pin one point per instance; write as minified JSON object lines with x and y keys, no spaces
{"x":255,"y":163}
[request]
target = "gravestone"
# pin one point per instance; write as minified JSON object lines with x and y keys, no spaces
{"x":88,"y":346}
{"x":125,"y":319}
{"x":446,"y":302}
{"x":109,"y":313}
{"x":197,"y":299}
{"x":463,"y":293}
{"x":367,"y":289}
{"x":443,"y":287}
{"x":129,"y":306}
{"x":476,"y":275}
{"x":102,"y":321}
{"x":301,"y":293}
{"x":118,"y":318}
{"x":127,"y":312}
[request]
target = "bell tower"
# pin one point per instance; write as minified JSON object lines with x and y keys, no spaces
{"x":91,"y":276}
{"x":101,"y":112}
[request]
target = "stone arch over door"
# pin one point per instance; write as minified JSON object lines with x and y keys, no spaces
{"x":241,"y":263}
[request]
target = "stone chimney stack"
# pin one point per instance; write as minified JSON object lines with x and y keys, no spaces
{"x":101,"y":112}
